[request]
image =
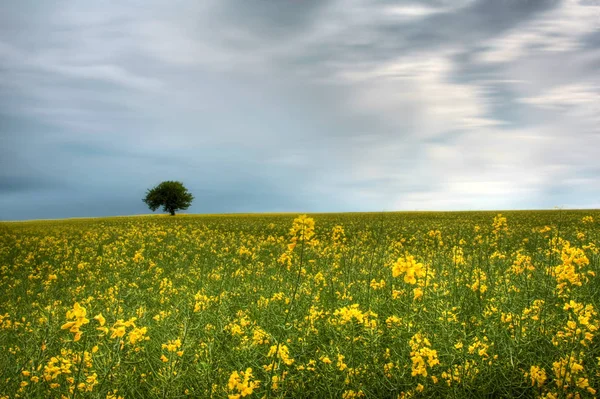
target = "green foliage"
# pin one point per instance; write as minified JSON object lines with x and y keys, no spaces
{"x":171,"y":195}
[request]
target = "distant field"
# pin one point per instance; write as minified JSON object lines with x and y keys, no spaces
{"x":453,"y":304}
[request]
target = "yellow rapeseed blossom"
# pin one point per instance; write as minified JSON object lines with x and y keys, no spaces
{"x":241,"y":384}
{"x":537,"y":376}
{"x":409,"y":267}
{"x":78,"y":314}
{"x":422,"y":356}
{"x":172,"y":346}
{"x":282,"y":352}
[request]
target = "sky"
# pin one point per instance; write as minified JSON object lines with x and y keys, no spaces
{"x":298,"y":105}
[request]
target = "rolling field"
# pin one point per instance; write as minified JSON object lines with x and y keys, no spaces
{"x":394,"y":305}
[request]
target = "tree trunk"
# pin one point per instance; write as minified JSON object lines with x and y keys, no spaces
{"x":172,"y":212}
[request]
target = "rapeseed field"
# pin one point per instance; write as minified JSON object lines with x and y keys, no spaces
{"x":393,"y":305}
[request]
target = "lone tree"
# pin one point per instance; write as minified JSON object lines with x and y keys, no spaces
{"x":171,"y":195}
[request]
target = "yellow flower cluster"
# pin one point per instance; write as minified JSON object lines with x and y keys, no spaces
{"x":480,"y":347}
{"x":588,"y":219}
{"x":120,"y":327}
{"x":260,"y":336}
{"x":237,"y":327}
{"x":72,"y":365}
{"x":172,"y":345}
{"x":303,"y":230}
{"x":500,"y":225}
{"x":479,"y":279}
{"x":461,"y":373}
{"x":348,"y":314}
{"x":352,"y":394}
{"x":410,"y":268}
{"x":521,"y":264}
{"x":422,"y":356}
{"x":241,"y":384}
{"x":569,"y":373}
{"x":78,"y":314}
{"x":581,"y":326}
{"x":202,"y":301}
{"x":570,"y":273}
{"x":137,"y":334}
{"x":58,"y":365}
{"x":435,"y":237}
{"x":537,"y":376}
{"x":533,"y":312}
{"x":377,"y":285}
{"x":338,"y":236}
{"x":458,"y":256}
{"x":282,"y":353}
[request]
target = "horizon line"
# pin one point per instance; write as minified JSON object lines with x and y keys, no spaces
{"x":294,"y":213}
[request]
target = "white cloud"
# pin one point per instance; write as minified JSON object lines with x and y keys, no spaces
{"x":486,"y":169}
{"x":575,"y":106}
{"x":418,"y":91}
{"x":414,"y":11}
{"x":557,"y":30}
{"x":572,"y":95}
{"x":108,"y":73}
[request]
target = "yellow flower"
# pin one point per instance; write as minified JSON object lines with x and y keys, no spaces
{"x":422,"y":355}
{"x":172,"y":345}
{"x":408,"y":266}
{"x":137,"y":334}
{"x":303,"y":229}
{"x":340,"y":362}
{"x":78,"y":314}
{"x":100,"y":319}
{"x":282,"y":353}
{"x":537,"y":375}
{"x":113,"y":395}
{"x":418,"y":293}
{"x":242,"y":383}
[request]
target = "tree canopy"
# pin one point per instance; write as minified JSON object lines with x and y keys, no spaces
{"x":171,"y":195}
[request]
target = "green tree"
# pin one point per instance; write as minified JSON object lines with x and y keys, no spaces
{"x":171,"y":195}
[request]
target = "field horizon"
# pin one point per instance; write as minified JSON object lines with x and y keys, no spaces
{"x":158,"y":214}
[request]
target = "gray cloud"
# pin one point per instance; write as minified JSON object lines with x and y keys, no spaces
{"x":309,"y":106}
{"x":25,"y":184}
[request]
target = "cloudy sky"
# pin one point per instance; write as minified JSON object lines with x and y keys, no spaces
{"x":299,"y":105}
